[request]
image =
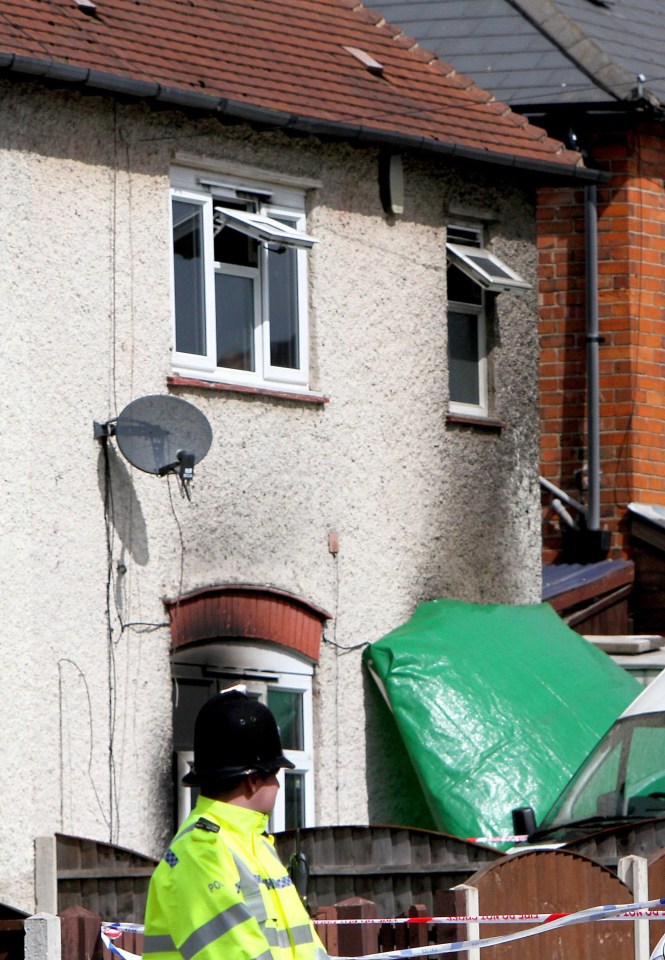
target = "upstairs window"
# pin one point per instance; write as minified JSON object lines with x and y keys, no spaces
{"x":474,"y":274}
{"x":240,"y":283}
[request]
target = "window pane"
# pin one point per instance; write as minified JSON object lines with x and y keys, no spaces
{"x":283,"y":308}
{"x":462,"y":288}
{"x":463,"y":372}
{"x":287,"y":707}
{"x":190,"y":333}
{"x":231,"y":246}
{"x":294,"y":800}
{"x":234,"y":304}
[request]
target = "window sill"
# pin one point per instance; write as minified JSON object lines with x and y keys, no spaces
{"x":483,"y":423}
{"x":315,"y":398}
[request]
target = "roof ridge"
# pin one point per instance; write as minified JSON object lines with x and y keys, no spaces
{"x":571,"y":40}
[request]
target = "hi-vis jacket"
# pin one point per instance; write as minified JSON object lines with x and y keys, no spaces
{"x":221,"y":893}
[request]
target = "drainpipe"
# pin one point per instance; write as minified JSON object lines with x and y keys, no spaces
{"x":592,"y":350}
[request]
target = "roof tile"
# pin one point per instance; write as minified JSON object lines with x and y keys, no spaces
{"x":287,"y":57}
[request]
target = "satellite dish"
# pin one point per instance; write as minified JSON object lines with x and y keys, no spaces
{"x":161,"y":434}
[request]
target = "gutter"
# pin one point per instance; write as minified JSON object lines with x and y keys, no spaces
{"x":50,"y":70}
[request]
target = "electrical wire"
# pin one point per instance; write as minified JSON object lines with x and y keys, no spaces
{"x":343,"y":648}
{"x":60,"y":662}
{"x":113,"y":822}
{"x":180,"y":536}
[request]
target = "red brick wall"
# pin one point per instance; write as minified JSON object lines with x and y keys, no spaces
{"x":631,"y":293}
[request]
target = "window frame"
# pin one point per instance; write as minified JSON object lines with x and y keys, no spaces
{"x":280,"y":203}
{"x":479,"y":313}
{"x":465,"y":258}
{"x":467,"y":252}
{"x":188,"y":362}
{"x":471,"y":310}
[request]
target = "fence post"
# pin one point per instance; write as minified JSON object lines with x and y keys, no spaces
{"x":42,"y":937}
{"x":634,"y":872}
{"x":81,"y":934}
{"x":328,"y":933}
{"x":354,"y":941}
{"x":418,"y":932}
{"x":466,"y":904}
{"x":46,"y":875}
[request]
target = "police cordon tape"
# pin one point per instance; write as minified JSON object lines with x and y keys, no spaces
{"x":115,"y":929}
{"x":627,"y":911}
{"x":581,"y":916}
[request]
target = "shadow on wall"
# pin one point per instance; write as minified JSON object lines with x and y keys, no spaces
{"x":394,"y":793}
{"x":122,"y":506}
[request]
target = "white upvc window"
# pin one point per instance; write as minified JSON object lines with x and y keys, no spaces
{"x":284,"y":683}
{"x":474,"y":273}
{"x":240,"y":291}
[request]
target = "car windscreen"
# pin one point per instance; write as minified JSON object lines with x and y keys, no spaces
{"x":623,"y":778}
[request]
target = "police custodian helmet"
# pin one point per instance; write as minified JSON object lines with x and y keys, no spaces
{"x":234,"y":735}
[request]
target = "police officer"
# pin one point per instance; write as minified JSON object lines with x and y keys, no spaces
{"x":221,"y":892}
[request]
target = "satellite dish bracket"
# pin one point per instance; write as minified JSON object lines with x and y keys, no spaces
{"x":103,"y":430}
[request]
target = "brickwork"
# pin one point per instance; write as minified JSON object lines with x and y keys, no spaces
{"x":631,"y":295}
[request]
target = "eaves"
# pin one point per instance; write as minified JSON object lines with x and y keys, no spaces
{"x":114,"y":84}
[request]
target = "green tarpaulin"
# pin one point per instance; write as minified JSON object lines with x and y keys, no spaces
{"x":497,"y":707}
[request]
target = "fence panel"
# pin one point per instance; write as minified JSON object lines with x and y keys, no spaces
{"x":554,"y":881}
{"x":656,"y":871}
{"x":102,"y":877}
{"x":608,"y":846}
{"x":392,"y":866}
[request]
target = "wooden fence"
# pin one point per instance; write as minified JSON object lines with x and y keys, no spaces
{"x":390,"y":872}
{"x":392,"y":866}
{"x":102,"y":877}
{"x":548,"y":881}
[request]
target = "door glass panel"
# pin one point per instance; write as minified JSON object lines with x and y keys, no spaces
{"x":190,"y":329}
{"x":294,"y":800}
{"x":234,"y":304}
{"x":463,"y":357}
{"x":287,"y":708}
{"x":283,"y":308}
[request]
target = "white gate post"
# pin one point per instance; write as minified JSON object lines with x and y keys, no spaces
{"x":634,"y":873}
{"x":42,"y":937}
{"x":466,"y":904}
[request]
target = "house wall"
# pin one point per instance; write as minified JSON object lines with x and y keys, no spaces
{"x":92,"y":550}
{"x":631,"y":295}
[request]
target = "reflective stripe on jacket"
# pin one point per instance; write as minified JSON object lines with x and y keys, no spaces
{"x":221,"y":891}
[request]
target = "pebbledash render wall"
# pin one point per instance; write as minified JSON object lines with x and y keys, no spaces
{"x":423,"y":508}
{"x":631,"y":307}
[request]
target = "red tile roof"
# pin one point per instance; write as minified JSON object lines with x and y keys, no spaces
{"x":277,"y":61}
